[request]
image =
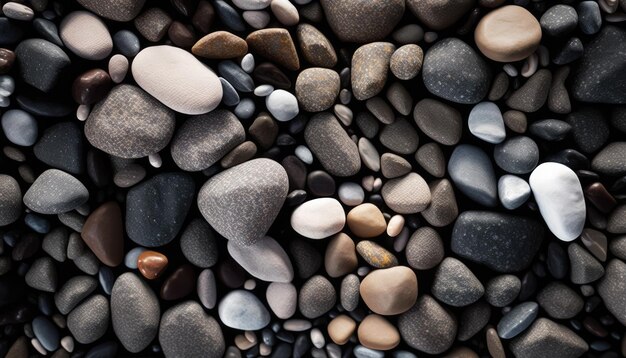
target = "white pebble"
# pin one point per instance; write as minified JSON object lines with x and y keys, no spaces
{"x":351,"y":194}
{"x":38,"y":347}
{"x":67,"y":343}
{"x":530,"y":65}
{"x":344,"y":114}
{"x":155,"y":160}
{"x":282,"y":105}
{"x":249,"y":285}
{"x":401,"y":240}
{"x":318,"y":218}
{"x":118,"y":68}
{"x":363,"y":271}
{"x":304,"y":154}
{"x":317,"y":338}
{"x":247,"y":63}
{"x":378,"y":183}
{"x":368,"y":182}
{"x":17,"y":11}
{"x":4,"y":101}
{"x":7,"y":85}
{"x":395,"y":225}
{"x":257,"y":19}
{"x":82,"y":112}
{"x":263,"y":90}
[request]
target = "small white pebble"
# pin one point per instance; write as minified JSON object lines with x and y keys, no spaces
{"x":351,"y":194}
{"x":317,"y":338}
{"x":4,"y":101}
{"x":38,"y":347}
{"x":67,"y":343}
{"x":363,"y":271}
{"x":344,"y":114}
{"x":304,"y":154}
{"x":530,"y":65}
{"x":247,"y":63}
{"x":395,"y":225}
{"x":155,"y":160}
{"x":263,"y":90}
{"x":378,"y":183}
{"x":249,"y":285}
{"x":7,"y":85}
{"x":510,"y":70}
{"x":82,"y":112}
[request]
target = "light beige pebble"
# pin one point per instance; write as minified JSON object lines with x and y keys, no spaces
{"x":340,"y":329}
{"x":265,"y":350}
{"x":86,"y":35}
{"x":395,"y":225}
{"x":257,"y":19}
{"x":118,"y":68}
{"x":282,"y":299}
{"x":297,"y":325}
{"x":343,"y":113}
{"x":285,"y":12}
{"x":389,"y":291}
{"x":375,"y":332}
{"x":243,"y":343}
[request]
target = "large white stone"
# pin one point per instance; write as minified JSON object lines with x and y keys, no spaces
{"x":318,"y":218}
{"x":86,"y":35}
{"x":560,"y":199}
{"x":177,"y":79}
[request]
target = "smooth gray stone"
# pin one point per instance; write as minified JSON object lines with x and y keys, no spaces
{"x":612,"y":289}
{"x":473,"y":319}
{"x":517,"y":320}
{"x":265,"y":259}
{"x":55,"y":192}
{"x":364,"y":352}
{"x":42,"y":275}
{"x":611,"y":160}
{"x":485,"y":122}
{"x":472,"y":172}
{"x":229,"y":16}
{"x":584,"y":268}
{"x":90,"y":320}
{"x":198,"y":244}
{"x":10,"y":200}
{"x":513,"y":191}
{"x":316,"y":297}
{"x":245,"y":109}
{"x":589,"y":17}
{"x":48,"y":30}
{"x":545,"y":339}
{"x":47,"y":333}
{"x":135,"y":312}
{"x":41,"y":63}
{"x":118,"y":10}
{"x":242,"y":310}
{"x":502,"y":242}
{"x":73,"y":292}
{"x":127,"y":43}
{"x":517,"y":155}
{"x":55,"y":243}
{"x":560,"y":301}
{"x":400,"y":136}
{"x":427,"y":326}
{"x":237,"y":77}
{"x":61,"y":146}
{"x":332,"y":146}
{"x":502,"y":290}
{"x":186,"y":330}
{"x":157,"y":208}
{"x":207,"y":289}
{"x":455,"y":284}
{"x":559,"y":20}
{"x":230,"y":97}
{"x":88,"y":263}
{"x":20,"y":127}
{"x":550,"y":129}
{"x":453,"y":70}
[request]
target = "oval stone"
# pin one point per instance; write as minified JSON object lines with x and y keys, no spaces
{"x":242,"y":310}
{"x":265,"y":260}
{"x":86,"y":35}
{"x":389,"y":291}
{"x":318,"y":218}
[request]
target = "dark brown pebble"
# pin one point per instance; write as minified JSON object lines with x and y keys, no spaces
{"x":241,"y":153}
{"x":231,"y":274}
{"x":19,"y":348}
{"x":276,"y":45}
{"x":515,"y":121}
{"x":103,"y":232}
{"x":597,"y":194}
{"x":268,"y":73}
{"x":203,"y":17}
{"x":296,"y":172}
{"x":151,"y":264}
{"x":7,"y":58}
{"x":263,"y":130}
{"x":220,"y":45}
{"x":179,"y":284}
{"x":181,"y":35}
{"x":320,"y":183}
{"x":91,"y":86}
{"x":26,"y":247}
{"x":594,"y":327}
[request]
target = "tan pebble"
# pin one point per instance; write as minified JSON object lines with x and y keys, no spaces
{"x":341,"y":328}
{"x":265,"y":350}
{"x":389,"y":291}
{"x":220,"y":45}
{"x":340,"y":256}
{"x":375,"y":332}
{"x":250,"y":336}
{"x":376,"y":255}
{"x":285,"y":12}
{"x":243,"y":343}
{"x":366,"y":221}
{"x":461,"y":352}
{"x":494,"y":345}
{"x":395,"y":225}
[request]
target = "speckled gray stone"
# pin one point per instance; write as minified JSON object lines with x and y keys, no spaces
{"x":400,"y":136}
{"x":61,"y":146}
{"x":560,"y":301}
{"x":198,"y":244}
{"x":559,"y":20}
{"x":455,"y":284}
{"x":55,"y":243}
{"x":242,"y":202}
{"x":331,"y":145}
{"x":10,"y":200}
{"x":153,"y":24}
{"x":584,"y":268}
{"x":370,"y":65}
{"x":443,"y":208}
{"x":118,"y":10}
{"x":533,"y":93}
{"x":203,"y":140}
{"x":316,"y":297}
{"x":393,"y":166}
{"x":437,"y":14}
{"x":90,"y":320}
{"x":41,"y":63}
{"x":265,"y":259}
{"x":611,"y":159}
{"x":473,"y":319}
{"x":502,"y":242}
{"x":42,"y":275}
{"x":317,"y":88}
{"x":349,"y":292}
{"x":439,"y":121}
{"x":156,"y":208}
{"x":73,"y":292}
{"x":517,"y":319}
{"x":135,"y":312}
{"x":242,"y":310}
{"x":129,"y":123}
{"x":502,"y":290}
{"x":517,"y":155}
{"x":472,"y":172}
{"x":362,"y":21}
{"x":430,"y":158}
{"x":316,"y":48}
{"x":188,"y":331}
{"x":612,"y":289}
{"x":546,"y":339}
{"x":452,"y":70}
{"x":55,"y":192}
{"x":590,"y":129}
{"x":425,"y":249}
{"x":406,"y":195}
{"x":427,"y":326}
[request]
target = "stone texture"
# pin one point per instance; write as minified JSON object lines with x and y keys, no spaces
{"x":428,"y":327}
{"x":389,"y":291}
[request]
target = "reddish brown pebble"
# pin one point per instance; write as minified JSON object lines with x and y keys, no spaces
{"x":275,"y":45}
{"x":103,"y":232}
{"x":220,"y":45}
{"x":494,"y":344}
{"x":597,"y":194}
{"x":181,"y":35}
{"x":179,"y":284}
{"x":268,"y":73}
{"x":7,"y":57}
{"x":91,"y":86}
{"x":151,"y":264}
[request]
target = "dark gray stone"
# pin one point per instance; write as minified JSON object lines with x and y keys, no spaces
{"x":127,"y":43}
{"x":332,"y":146}
{"x":229,"y":16}
{"x":10,"y":31}
{"x":590,"y":18}
{"x":502,"y":290}
{"x":42,"y":275}
{"x":559,"y":301}
{"x":473,"y":319}
{"x":559,"y":20}
{"x":517,"y":320}
{"x":61,"y":147}
{"x":590,"y":129}
{"x":517,"y":155}
{"x":533,"y":93}
{"x":427,"y":326}
{"x":502,"y":242}
{"x":611,"y":160}
{"x":455,"y":284}
{"x":41,"y":63}
{"x":584,"y":268}
{"x":550,"y":129}
{"x":612,"y":289}
{"x":198,"y":244}
{"x":48,"y":30}
{"x":90,"y":320}
{"x":55,"y":243}
{"x":571,"y":51}
{"x":400,"y":136}
{"x":472,"y":172}
{"x":10,"y":200}
{"x":237,"y":77}
{"x":230,"y":97}
{"x":73,"y":292}
{"x":546,"y":339}
{"x":118,"y":10}
{"x":55,"y":192}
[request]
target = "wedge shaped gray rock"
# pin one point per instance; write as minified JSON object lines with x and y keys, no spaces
{"x":55,"y":192}
{"x":188,"y":331}
{"x":203,"y":140}
{"x":129,"y":123}
{"x":42,"y":275}
{"x":546,"y":339}
{"x":455,"y":284}
{"x":427,"y":326}
{"x":73,"y":292}
{"x":265,"y":259}
{"x":472,"y":171}
{"x":242,"y":202}
{"x":242,"y":310}
{"x":135,"y":312}
{"x":10,"y":200}
{"x":502,"y":242}
{"x":89,"y":321}
{"x":612,"y":289}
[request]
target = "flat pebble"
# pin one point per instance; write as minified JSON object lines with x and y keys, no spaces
{"x":89,"y":321}
{"x":332,"y":146}
{"x":282,"y":299}
{"x":486,"y":122}
{"x":94,"y":44}
{"x":265,"y":260}
{"x":242,"y":310}
{"x":55,"y":192}
{"x":407,"y":195}
{"x":389,"y":291}
{"x":439,"y":121}
{"x":472,"y":172}
{"x":455,"y":285}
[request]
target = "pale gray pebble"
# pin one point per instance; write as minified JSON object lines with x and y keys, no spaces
{"x":263,"y":90}
{"x":349,"y":292}
{"x":20,"y":127}
{"x":207,"y":289}
{"x":486,"y":122}
{"x":245,"y":109}
{"x":10,"y":200}
{"x":90,"y":320}
{"x":242,"y":310}
{"x":47,"y":333}
{"x":472,"y":172}
{"x":230,"y":97}
{"x":17,"y":11}
{"x":54,"y":192}
{"x":265,"y":259}
{"x":282,"y":105}
{"x":247,"y":63}
{"x":304,"y":154}
{"x":517,"y":320}
{"x":42,"y":275}
{"x":131,"y":257}
{"x":364,"y":352}
{"x":186,"y":330}
{"x":55,"y":243}
{"x":73,"y":292}
{"x":198,"y":244}
{"x":502,"y":290}
{"x":513,"y":191}
{"x":73,"y":220}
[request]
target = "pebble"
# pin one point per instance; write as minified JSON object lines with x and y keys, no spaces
{"x":584,"y":268}
{"x":370,"y":64}
{"x":559,"y":301}
{"x":502,"y":242}
{"x":340,"y":258}
{"x":94,"y":44}
{"x":406,"y":62}
{"x":135,"y":312}
{"x":276,"y":45}
{"x":400,"y":136}
{"x":375,"y":255}
{"x":285,"y":12}
{"x":118,"y":67}
{"x":361,"y":21}
{"x":427,"y":326}
{"x":89,"y":321}
{"x":548,"y":339}
{"x":375,"y":332}
{"x":156,"y":208}
{"x":41,"y":63}
{"x":517,"y":155}
{"x":242,"y":310}
{"x":151,"y":264}
{"x":61,"y":146}
{"x":220,"y":45}
{"x":10,"y":200}
{"x":91,"y":86}
{"x":318,"y":218}
{"x":340,"y":329}
{"x":282,"y":299}
{"x":486,"y":122}
{"x":332,"y":146}
{"x":430,"y":158}
{"x":533,"y":93}
{"x":406,"y":195}
{"x":47,"y":333}
{"x":103,"y":232}
{"x":199,"y":244}
{"x":610,"y":159}
{"x":443,"y":208}
{"x":75,"y":290}
{"x":439,"y":121}
{"x":366,"y":221}
{"x":472,"y":320}
{"x":265,"y":260}
{"x":349,"y":293}
{"x":502,"y":290}
{"x":196,"y":90}
{"x":559,"y":20}
{"x":517,"y":320}
{"x":55,"y":192}
{"x":455,"y":285}
{"x":153,"y":24}
{"x":16,"y":11}
{"x":472,"y":172}
{"x":206,"y":289}
{"x":258,"y":189}
{"x":282,"y":105}
{"x":19,"y":127}
{"x":317,"y":89}
{"x":315,"y":47}
{"x":424,"y":249}
{"x":316,"y":297}
{"x":130,"y":260}
{"x":42,"y":275}
{"x":127,"y":43}
{"x":203,"y":140}
{"x":513,"y":191}
{"x":55,"y":243}
{"x":589,"y":17}
{"x":394,"y":166}
{"x":252,"y":4}
{"x":558,"y":193}
{"x":118,"y":10}
{"x":186,"y":330}
{"x":508,"y":34}
{"x":389,"y":291}
{"x":256,"y":19}
{"x":453,"y":71}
